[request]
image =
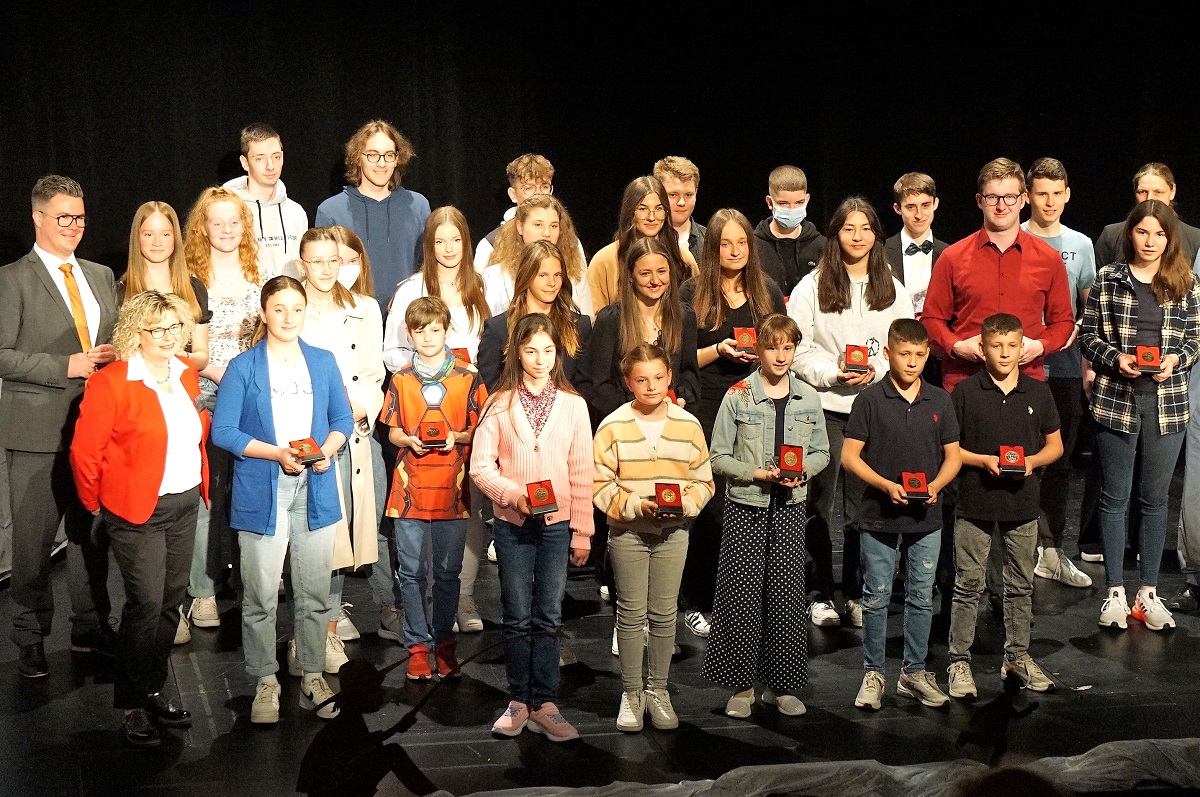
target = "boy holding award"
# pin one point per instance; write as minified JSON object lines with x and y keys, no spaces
{"x":1009,"y":429}
{"x":902,"y":441}
{"x":652,"y":477}
{"x":432,"y":407}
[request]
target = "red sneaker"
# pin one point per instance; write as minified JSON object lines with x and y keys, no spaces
{"x":447,"y":662}
{"x":418,"y":663}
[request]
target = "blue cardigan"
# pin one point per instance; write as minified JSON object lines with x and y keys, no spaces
{"x":243,"y":414}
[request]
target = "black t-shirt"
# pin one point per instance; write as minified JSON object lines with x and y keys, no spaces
{"x":898,"y":436}
{"x":989,"y":419}
{"x":1149,"y":328}
{"x":717,"y":377}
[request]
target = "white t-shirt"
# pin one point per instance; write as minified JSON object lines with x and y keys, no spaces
{"x":652,"y":429}
{"x":291,"y":400}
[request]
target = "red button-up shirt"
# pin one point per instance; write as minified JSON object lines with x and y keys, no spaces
{"x":973,"y":279}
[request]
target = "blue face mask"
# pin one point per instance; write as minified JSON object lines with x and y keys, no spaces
{"x":789,"y":218}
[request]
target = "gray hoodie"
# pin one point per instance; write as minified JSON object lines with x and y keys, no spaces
{"x":278,"y":224}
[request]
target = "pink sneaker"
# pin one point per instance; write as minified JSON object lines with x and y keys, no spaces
{"x":513,"y":720}
{"x":550,"y":721}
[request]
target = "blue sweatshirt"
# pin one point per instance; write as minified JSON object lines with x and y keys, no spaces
{"x":390,"y":229}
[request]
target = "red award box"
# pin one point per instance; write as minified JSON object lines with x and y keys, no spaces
{"x":791,"y":462}
{"x":670,"y":499}
{"x":857,"y":359}
{"x":310,"y":452}
{"x":915,"y":485}
{"x":541,"y":497}
{"x":1012,"y":460}
{"x":462,"y":355}
{"x":744,"y":339}
{"x":432,"y":433}
{"x":1149,"y":359}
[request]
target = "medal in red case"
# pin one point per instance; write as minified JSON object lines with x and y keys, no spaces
{"x":1149,"y":359}
{"x":856,"y":359}
{"x":915,"y":485}
{"x":432,"y":433}
{"x":541,"y":497}
{"x":310,"y":452}
{"x":1012,"y":460}
{"x":744,"y":339}
{"x":670,"y":499}
{"x":791,"y":462}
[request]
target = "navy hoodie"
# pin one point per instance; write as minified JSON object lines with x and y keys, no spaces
{"x":391,"y":230}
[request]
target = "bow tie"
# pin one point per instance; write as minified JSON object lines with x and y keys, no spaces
{"x":924,"y":248}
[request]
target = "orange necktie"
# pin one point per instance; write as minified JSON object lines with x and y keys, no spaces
{"x":81,"y":325}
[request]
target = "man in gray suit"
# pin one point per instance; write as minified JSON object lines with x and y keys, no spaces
{"x":56,"y":320}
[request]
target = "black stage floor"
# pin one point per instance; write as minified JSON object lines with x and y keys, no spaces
{"x":60,"y":736}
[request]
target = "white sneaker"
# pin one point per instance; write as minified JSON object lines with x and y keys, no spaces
{"x":784,"y":703}
{"x":491,"y":551}
{"x":265,"y":708}
{"x":616,"y":651}
{"x":604,"y":594}
{"x":204,"y":613}
{"x":345,"y":628}
{"x":629,"y":714}
{"x":1149,"y":608}
{"x":469,"y":621}
{"x":1051,"y":564}
{"x":1114,"y":612}
{"x":335,"y":653}
{"x":854,"y":612}
{"x":183,"y":632}
{"x":315,"y":692}
{"x":697,"y":623}
{"x":870,"y":694}
{"x":824,"y":614}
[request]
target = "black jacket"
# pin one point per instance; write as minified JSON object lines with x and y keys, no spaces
{"x":785,"y":269}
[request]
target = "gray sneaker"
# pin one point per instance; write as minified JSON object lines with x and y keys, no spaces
{"x":962,"y":682}
{"x":391,"y":623}
{"x":1028,"y":672}
{"x":922,"y":686}
{"x":662,"y":713}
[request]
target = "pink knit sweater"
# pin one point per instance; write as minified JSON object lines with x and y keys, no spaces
{"x":505,"y":456}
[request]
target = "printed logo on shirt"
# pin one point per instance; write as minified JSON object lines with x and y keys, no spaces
{"x":291,"y":388}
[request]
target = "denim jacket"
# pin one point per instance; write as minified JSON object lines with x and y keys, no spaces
{"x":743,"y":438}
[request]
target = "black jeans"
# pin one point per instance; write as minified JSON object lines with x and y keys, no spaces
{"x":154,"y":558}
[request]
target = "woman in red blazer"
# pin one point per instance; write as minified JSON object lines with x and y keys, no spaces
{"x":139,"y":462}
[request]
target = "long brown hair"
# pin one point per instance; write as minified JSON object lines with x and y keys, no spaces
{"x":518,"y":335}
{"x":341,"y":296}
{"x":468,"y":281}
{"x":708,"y":301}
{"x":134,"y":278}
{"x":669,"y":311}
{"x":1174,"y":277}
{"x":564,"y":313}
{"x":196,"y":247}
{"x":833,"y":283}
{"x":364,"y":285}
{"x":627,"y":231}
{"x":273,"y":286}
{"x":507,"y":251}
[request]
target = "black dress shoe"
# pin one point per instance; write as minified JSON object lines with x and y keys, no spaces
{"x":32,"y":663}
{"x":101,"y":640}
{"x":1186,"y":600}
{"x":163,"y":711}
{"x":139,"y":730}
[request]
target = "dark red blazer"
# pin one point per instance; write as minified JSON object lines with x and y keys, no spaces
{"x":119,"y":452}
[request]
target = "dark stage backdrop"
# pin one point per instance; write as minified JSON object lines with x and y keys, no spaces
{"x":146,"y":102}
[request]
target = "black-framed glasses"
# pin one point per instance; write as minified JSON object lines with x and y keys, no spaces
{"x":996,"y":199}
{"x":157,"y":333}
{"x":67,"y":219}
{"x":373,"y":157}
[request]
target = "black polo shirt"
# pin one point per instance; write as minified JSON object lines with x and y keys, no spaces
{"x":990,"y":419}
{"x":898,"y":436}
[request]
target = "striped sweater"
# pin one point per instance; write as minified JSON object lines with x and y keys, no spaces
{"x":627,"y":467}
{"x":506,"y":456}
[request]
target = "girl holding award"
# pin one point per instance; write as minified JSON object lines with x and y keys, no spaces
{"x":769,"y":440}
{"x":652,"y":477}
{"x":843,"y":309}
{"x":533,"y":458}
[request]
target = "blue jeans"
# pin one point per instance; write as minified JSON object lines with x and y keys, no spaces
{"x":532,"y":559}
{"x":412,"y":539}
{"x":1117,"y":452}
{"x":311,"y":557}
{"x":878,"y":557}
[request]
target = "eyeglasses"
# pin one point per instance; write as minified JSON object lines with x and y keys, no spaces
{"x":996,"y":199}
{"x":373,"y":157}
{"x":331,"y":264}
{"x":644,"y":212}
{"x":67,"y":219}
{"x":157,"y":333}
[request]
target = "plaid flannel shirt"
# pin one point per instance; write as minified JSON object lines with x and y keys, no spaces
{"x":1110,"y":329}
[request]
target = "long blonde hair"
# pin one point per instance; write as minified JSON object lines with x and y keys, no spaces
{"x":196,"y":247}
{"x":509,"y":244}
{"x":134,"y":278}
